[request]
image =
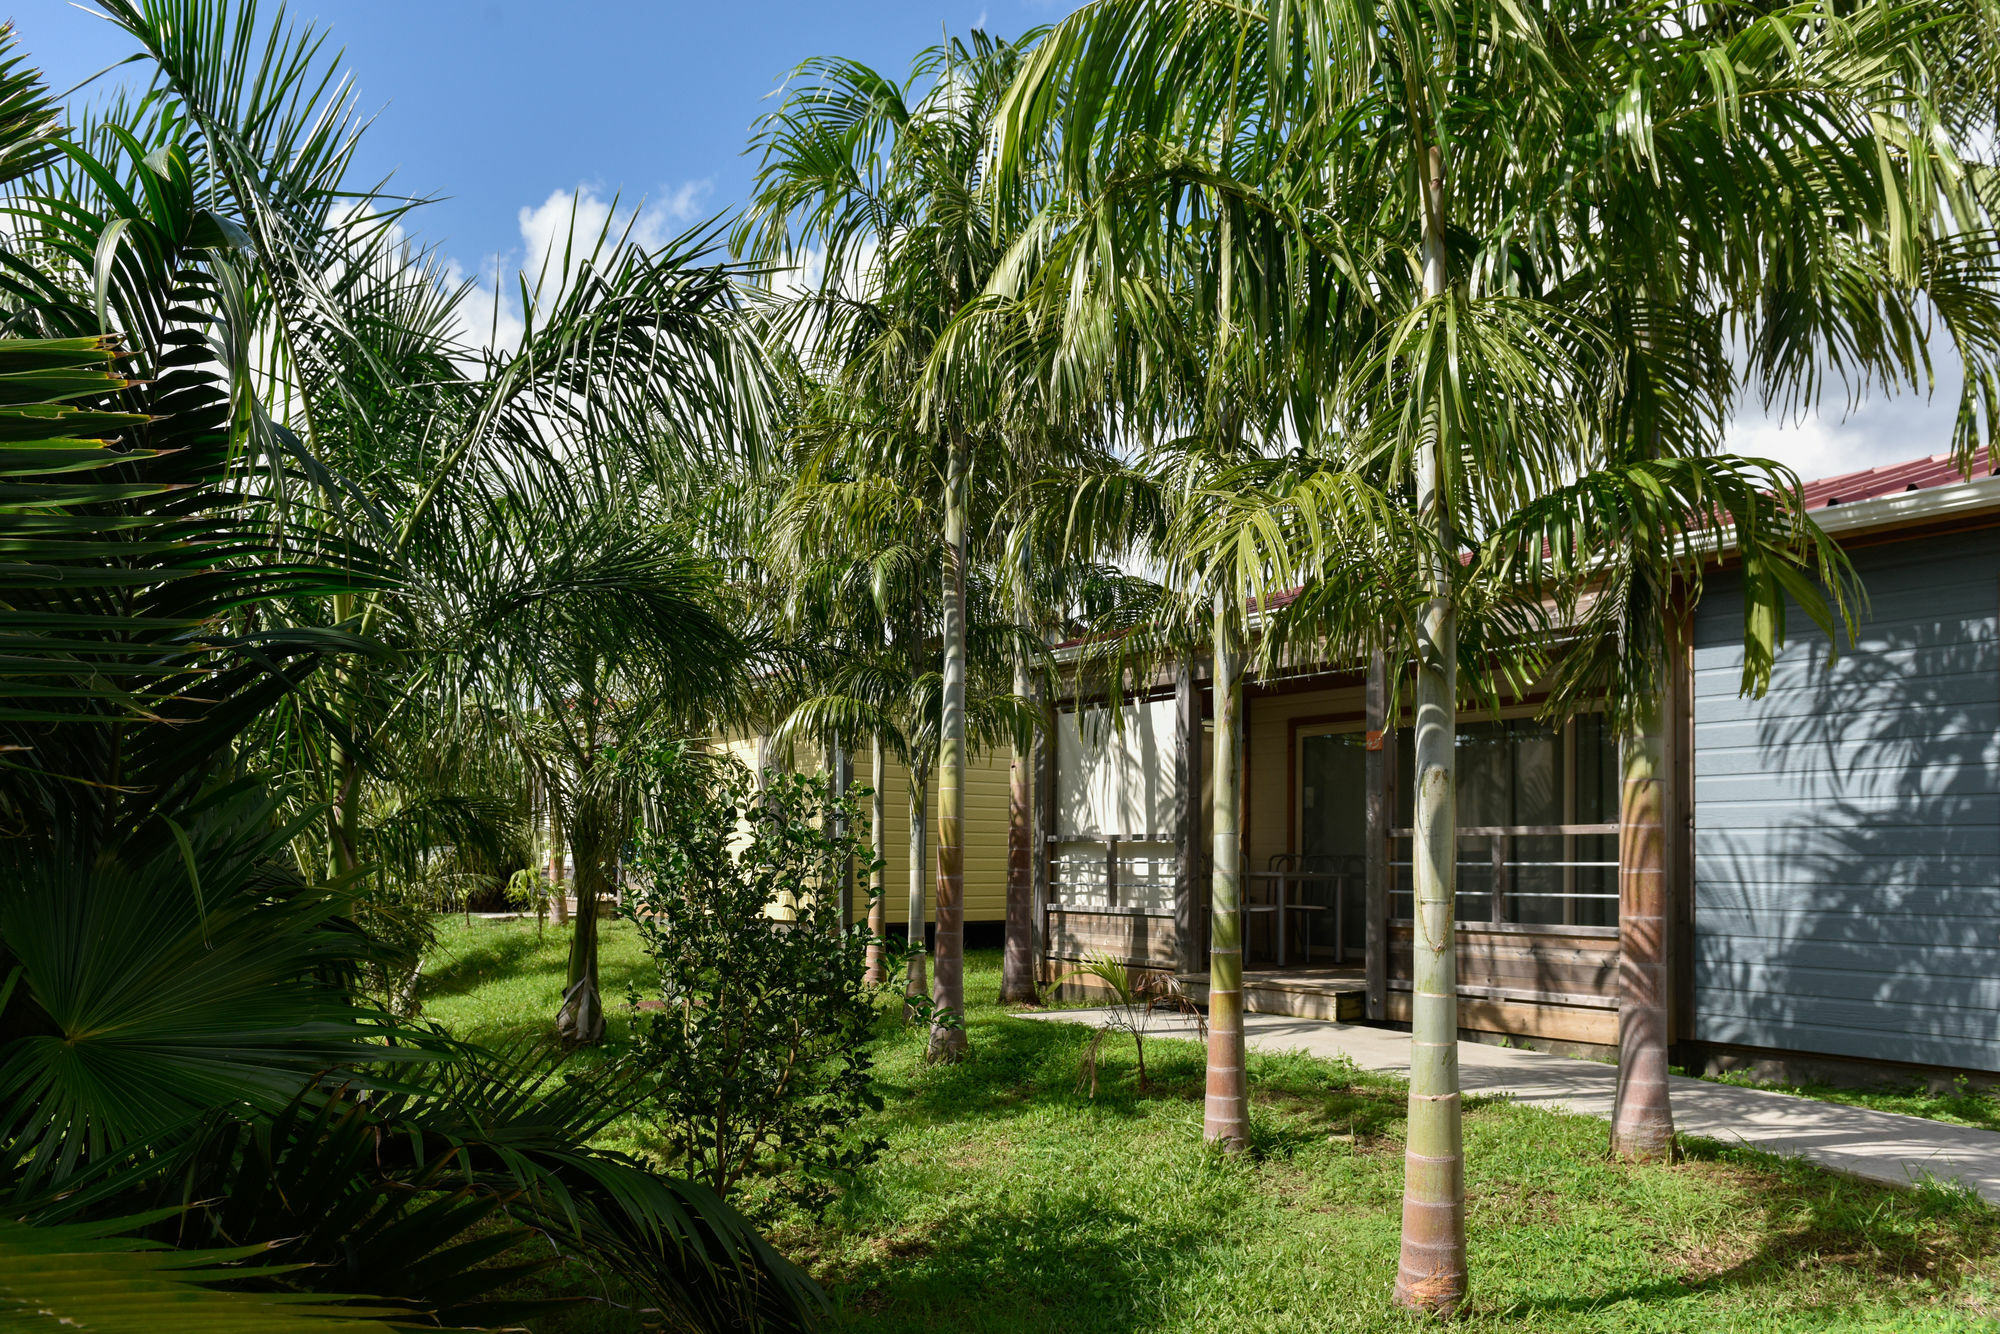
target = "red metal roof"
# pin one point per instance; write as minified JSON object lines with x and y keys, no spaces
{"x":1891,"y":479}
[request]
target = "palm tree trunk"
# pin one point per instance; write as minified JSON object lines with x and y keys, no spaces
{"x":580,"y":1021}
{"x":558,"y":875}
{"x":1017,"y":967}
{"x":948,"y":1039}
{"x":1432,"y":1274}
{"x":920,"y":814}
{"x":878,"y":900}
{"x":1226,"y":1115}
{"x":841,"y":765}
{"x":1642,"y":1118}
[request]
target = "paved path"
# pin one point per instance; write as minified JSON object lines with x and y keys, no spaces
{"x":1875,"y":1146}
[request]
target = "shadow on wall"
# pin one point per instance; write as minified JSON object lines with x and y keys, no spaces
{"x":1848,"y":824}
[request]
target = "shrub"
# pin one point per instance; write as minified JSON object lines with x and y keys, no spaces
{"x":759,"y":1047}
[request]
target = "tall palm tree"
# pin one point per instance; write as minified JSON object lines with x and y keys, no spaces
{"x":1778,"y":258}
{"x":367,"y":386}
{"x":885,"y":184}
{"x":854,"y":554}
{"x":1168,"y":287}
{"x":1485,"y":388}
{"x":147,"y":874}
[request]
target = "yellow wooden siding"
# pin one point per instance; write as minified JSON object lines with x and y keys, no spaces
{"x":986,"y":784}
{"x":1268,"y":763}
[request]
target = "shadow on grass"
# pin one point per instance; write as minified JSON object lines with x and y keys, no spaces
{"x":1804,"y":1218}
{"x":485,"y":954}
{"x":1070,"y":1263}
{"x":1021,"y":1068}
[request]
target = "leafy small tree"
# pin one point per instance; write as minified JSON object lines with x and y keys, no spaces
{"x":761,"y":1051}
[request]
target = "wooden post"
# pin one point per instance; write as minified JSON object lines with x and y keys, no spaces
{"x":1380,"y":762}
{"x":1499,"y":850}
{"x":1187,"y":819}
{"x":1111,"y":871}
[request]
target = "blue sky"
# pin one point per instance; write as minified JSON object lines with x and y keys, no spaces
{"x":512,"y":111}
{"x":497,"y":104}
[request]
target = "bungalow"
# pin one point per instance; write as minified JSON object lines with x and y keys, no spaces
{"x":985,"y":832}
{"x":1834,"y":847}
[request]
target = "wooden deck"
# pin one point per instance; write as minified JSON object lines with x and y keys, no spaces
{"x":1304,"y":993}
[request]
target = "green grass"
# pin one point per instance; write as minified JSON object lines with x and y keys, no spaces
{"x":1008,"y":1201}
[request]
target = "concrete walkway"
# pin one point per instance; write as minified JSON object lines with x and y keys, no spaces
{"x":1874,"y":1146}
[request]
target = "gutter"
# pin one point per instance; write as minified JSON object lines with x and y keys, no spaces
{"x":1909,"y":508}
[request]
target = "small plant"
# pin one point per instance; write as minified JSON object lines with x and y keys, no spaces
{"x":528,"y":888}
{"x":919,"y":1010}
{"x":1136,"y":995}
{"x":759,"y":1058}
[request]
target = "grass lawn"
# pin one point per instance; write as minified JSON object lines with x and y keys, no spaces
{"x":1008,"y":1201}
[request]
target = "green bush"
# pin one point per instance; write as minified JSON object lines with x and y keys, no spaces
{"x":758,"y":1051}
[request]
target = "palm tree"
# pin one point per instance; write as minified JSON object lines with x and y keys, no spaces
{"x":1486,"y":392}
{"x":367,"y":386}
{"x":146,"y":869}
{"x":1669,"y":294}
{"x":853,"y":554}
{"x":579,"y":629}
{"x":886,"y":184}
{"x":1167,"y":286}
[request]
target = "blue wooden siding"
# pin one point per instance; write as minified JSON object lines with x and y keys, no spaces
{"x":1847,"y":825}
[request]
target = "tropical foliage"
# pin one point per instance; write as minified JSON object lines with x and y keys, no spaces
{"x":759,"y":1044}
{"x":325,"y":608}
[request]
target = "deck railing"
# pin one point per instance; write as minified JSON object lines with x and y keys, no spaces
{"x":1498,"y":900}
{"x":1118,"y":873}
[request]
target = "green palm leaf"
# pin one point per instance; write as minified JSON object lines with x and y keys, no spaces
{"x":90,"y":1277}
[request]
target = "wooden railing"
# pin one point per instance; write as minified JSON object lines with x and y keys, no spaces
{"x":1123,"y":908}
{"x":1124,"y":888}
{"x":1502,"y":865}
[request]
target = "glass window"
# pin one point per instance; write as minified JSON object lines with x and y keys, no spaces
{"x":1333,"y":837}
{"x":1520,"y":771}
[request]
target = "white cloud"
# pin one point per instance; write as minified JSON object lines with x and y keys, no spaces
{"x":557,"y":236}
{"x":1838,"y":436}
{"x":1883,"y":428}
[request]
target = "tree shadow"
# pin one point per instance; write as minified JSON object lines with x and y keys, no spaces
{"x":488,"y":954}
{"x":1808,"y":1219}
{"x":1071,"y":1262}
{"x":1848,"y":831}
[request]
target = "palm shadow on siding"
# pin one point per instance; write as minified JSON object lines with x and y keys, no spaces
{"x":1862,"y":920}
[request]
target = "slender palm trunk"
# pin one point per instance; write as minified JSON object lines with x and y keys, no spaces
{"x":558,"y":874}
{"x":878,"y":899}
{"x":1017,"y":965}
{"x":1226,"y":1115}
{"x":1642,"y":1119}
{"x":920,"y":814}
{"x":842,"y":778}
{"x":581,"y":1018}
{"x":1432,"y":1273}
{"x":948,"y":1040}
